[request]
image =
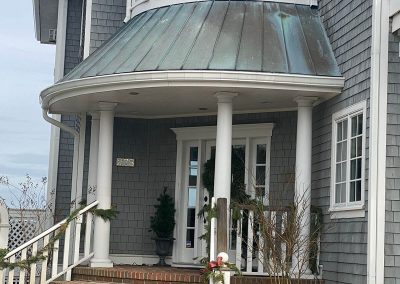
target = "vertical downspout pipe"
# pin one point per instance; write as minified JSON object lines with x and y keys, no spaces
{"x":377,"y":150}
{"x":75,"y":164}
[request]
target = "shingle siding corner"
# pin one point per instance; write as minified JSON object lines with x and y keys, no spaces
{"x":392,"y":237}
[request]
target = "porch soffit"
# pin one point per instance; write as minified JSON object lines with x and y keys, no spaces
{"x":251,"y":36}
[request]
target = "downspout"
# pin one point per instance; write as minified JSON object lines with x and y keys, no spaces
{"x":75,"y":197}
{"x":377,"y":150}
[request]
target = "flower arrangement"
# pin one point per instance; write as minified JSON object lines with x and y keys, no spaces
{"x":213,"y":269}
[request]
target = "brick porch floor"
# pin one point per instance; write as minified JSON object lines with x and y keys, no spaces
{"x":156,"y":275}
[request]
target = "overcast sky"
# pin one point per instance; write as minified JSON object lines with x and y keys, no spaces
{"x":26,"y":68}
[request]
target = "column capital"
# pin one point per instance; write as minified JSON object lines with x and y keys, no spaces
{"x":95,"y":115}
{"x":107,"y":106}
{"x":305,"y":101}
{"x":225,"y":97}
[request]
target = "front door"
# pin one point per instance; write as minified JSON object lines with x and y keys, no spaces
{"x":251,"y":157}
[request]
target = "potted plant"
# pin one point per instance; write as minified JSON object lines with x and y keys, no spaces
{"x":162,"y":224}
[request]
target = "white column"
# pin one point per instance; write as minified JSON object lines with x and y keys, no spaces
{"x":93,"y":157}
{"x":223,"y":152}
{"x":303,"y":182}
{"x":103,"y":193}
{"x":222,"y":179}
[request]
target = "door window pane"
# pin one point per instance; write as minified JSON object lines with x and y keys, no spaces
{"x":190,"y":238}
{"x":261,"y":153}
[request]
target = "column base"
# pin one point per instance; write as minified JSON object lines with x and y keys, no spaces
{"x":103,"y":263}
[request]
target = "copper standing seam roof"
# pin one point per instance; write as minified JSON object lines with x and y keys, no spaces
{"x":217,"y":35}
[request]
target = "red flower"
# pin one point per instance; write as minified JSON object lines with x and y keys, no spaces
{"x":219,"y":261}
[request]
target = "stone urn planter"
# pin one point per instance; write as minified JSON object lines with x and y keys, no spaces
{"x":162,"y":224}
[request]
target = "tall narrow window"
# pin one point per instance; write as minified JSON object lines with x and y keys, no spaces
{"x":191,"y":197}
{"x":348,"y":158}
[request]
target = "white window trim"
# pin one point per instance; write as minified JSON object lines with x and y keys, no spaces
{"x":355,"y":209}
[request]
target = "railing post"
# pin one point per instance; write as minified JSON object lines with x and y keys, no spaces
{"x":213,"y":232}
{"x":222,"y":225}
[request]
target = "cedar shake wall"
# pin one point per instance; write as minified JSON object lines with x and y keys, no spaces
{"x":344,"y":241}
{"x":392,"y":237}
{"x":152,"y":144}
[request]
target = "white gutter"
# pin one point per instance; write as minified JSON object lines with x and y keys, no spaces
{"x":58,"y":123}
{"x":377,"y":150}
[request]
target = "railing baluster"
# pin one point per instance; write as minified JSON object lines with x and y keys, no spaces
{"x":54,"y":265}
{"x":250,"y":226}
{"x":66,"y":251}
{"x":88,"y":234}
{"x":273,"y":234}
{"x":43,"y":273}
{"x":261,"y":250}
{"x":2,"y":276}
{"x":11,"y":271}
{"x":239,"y":241}
{"x":32,"y":276}
{"x":78,"y":225}
{"x":22,"y":271}
{"x":283,"y":243}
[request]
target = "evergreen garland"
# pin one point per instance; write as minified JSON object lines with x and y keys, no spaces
{"x":42,"y":254}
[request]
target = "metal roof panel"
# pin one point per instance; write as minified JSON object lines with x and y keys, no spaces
{"x":217,"y":35}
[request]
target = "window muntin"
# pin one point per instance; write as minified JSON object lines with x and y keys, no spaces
{"x":348,"y":165}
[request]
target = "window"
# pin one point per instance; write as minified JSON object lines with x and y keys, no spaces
{"x":348,"y":162}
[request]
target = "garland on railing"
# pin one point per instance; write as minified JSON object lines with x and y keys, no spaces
{"x":105,"y":214}
{"x":213,"y":270}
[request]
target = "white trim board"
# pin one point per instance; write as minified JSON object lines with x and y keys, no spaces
{"x":377,"y":143}
{"x":210,"y":132}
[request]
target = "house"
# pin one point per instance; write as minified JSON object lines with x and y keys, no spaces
{"x":308,"y":91}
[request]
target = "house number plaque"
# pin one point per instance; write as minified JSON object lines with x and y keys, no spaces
{"x":121,"y":162}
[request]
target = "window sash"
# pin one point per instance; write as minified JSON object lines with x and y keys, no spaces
{"x":352,"y":154}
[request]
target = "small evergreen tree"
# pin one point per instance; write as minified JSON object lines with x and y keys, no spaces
{"x":163,"y":221}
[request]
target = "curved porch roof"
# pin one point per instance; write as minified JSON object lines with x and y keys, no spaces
{"x":170,"y":61}
{"x":250,"y":36}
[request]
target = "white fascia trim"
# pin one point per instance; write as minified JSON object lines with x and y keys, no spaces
{"x":88,"y":28}
{"x":60,"y":43}
{"x":136,"y":7}
{"x":210,"y":132}
{"x":36,"y":18}
{"x":377,"y":142}
{"x":222,"y":79}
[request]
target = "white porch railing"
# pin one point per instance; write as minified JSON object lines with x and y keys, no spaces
{"x":49,"y":269}
{"x":250,"y":252}
{"x":253,"y":254}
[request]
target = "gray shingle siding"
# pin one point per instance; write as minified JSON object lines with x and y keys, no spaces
{"x":107,"y":18}
{"x":153,"y":145}
{"x":66,"y":145}
{"x":73,"y":52}
{"x":392,"y":237}
{"x":344,"y":241}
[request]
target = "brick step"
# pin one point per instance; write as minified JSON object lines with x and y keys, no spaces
{"x":159,"y":275}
